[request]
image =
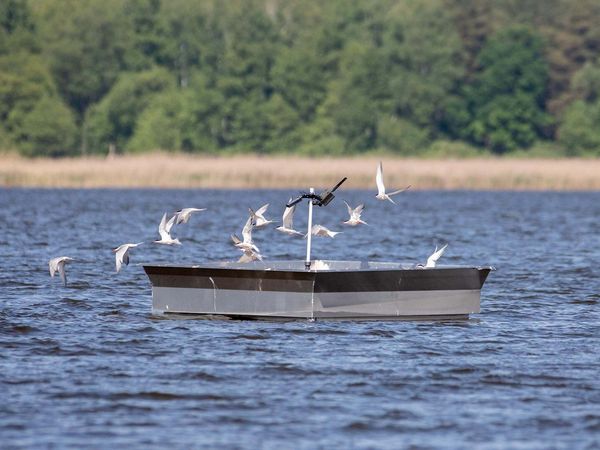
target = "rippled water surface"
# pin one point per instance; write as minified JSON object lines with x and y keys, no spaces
{"x":88,"y":366}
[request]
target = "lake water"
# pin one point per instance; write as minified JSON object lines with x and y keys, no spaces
{"x":88,"y":366}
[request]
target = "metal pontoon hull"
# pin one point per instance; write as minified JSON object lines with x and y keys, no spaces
{"x":353,"y":291}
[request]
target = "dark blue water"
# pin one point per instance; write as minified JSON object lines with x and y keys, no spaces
{"x":88,"y":366}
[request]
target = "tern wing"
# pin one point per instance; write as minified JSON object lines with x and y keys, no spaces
{"x":288,"y":216}
{"x":356,"y":212}
{"x":164,"y":234}
{"x":118,"y":261}
{"x":435,"y":256}
{"x":170,"y":223}
{"x":121,"y":255}
{"x":247,"y":231}
{"x":379,"y":179}
{"x":263,"y":209}
{"x":236,"y":240}
{"x":400,"y":190}
{"x":180,"y":216}
{"x":62,"y":272}
{"x":350,"y":210}
{"x":52,"y":266}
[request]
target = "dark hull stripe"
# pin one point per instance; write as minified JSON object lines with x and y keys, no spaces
{"x":318,"y":282}
{"x":448,"y":317}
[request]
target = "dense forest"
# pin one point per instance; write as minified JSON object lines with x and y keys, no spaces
{"x":412,"y":77}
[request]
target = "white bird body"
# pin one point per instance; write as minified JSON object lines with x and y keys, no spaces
{"x":246,"y":243}
{"x":355,"y":213}
{"x":58,"y":265}
{"x":250,"y":255}
{"x":183,"y":215}
{"x":381,"y":195}
{"x":258,"y":216}
{"x":122,"y":254}
{"x":432,"y":260}
{"x":164,"y":229}
{"x":287,"y":226}
{"x":320,"y":230}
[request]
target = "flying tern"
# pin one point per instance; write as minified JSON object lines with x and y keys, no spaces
{"x":246,"y":242}
{"x":258,"y":217}
{"x":355,"y":213}
{"x":250,"y":255}
{"x":58,"y":265}
{"x":183,"y":215}
{"x":320,"y":230}
{"x":381,"y":195}
{"x":164,"y":229}
{"x":288,"y":217}
{"x":122,"y":254}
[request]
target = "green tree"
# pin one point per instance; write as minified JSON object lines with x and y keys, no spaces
{"x":25,"y":82}
{"x":425,"y":61}
{"x":159,"y":126}
{"x":298,"y":77}
{"x":112,"y":121}
{"x":579,"y":131}
{"x":47,"y":130}
{"x":17,"y":29}
{"x":87,"y":45}
{"x":506,"y":100}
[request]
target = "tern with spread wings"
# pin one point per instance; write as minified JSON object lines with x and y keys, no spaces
{"x":183,"y":215}
{"x":258,"y":217}
{"x":58,"y":265}
{"x":288,"y":221}
{"x":122,"y":254}
{"x":164,"y":229}
{"x":381,"y":195}
{"x":355,"y":213}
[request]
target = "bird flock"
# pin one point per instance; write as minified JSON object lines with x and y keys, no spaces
{"x":256,"y":220}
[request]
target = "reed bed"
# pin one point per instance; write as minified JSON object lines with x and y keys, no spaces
{"x":162,"y":170}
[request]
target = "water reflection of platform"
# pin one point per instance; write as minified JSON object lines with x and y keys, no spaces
{"x":331,"y":289}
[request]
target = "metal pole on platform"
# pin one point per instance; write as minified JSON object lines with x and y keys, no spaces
{"x":309,"y":235}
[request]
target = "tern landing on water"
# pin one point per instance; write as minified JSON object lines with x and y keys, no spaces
{"x":258,"y":218}
{"x":183,"y":215}
{"x":381,"y":195}
{"x":320,"y":230}
{"x":122,"y":254}
{"x":58,"y":265}
{"x":288,"y":224}
{"x":432,"y":260}
{"x":164,"y":229}
{"x":355,"y":213}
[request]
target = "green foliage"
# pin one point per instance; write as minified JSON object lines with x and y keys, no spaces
{"x":451,"y":149}
{"x":506,"y":101}
{"x":307,"y":76}
{"x":579,"y":132}
{"x":401,"y":136}
{"x":298,"y":77}
{"x":425,"y":61}
{"x":586,"y":82}
{"x":159,"y":125}
{"x":16,"y":26}
{"x":87,"y":46}
{"x":47,"y":130}
{"x":112,"y":121}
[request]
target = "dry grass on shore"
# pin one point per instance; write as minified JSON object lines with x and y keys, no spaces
{"x":184,"y":171}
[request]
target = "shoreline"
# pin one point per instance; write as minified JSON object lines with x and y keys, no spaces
{"x":164,"y":170}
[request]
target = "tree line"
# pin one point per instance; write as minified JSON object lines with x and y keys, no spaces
{"x":412,"y":77}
